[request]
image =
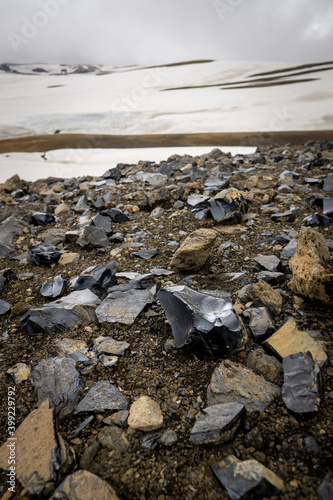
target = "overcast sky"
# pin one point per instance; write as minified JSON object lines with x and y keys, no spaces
{"x":123,"y":32}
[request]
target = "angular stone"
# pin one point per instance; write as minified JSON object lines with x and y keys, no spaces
{"x":4,"y":307}
{"x":271,"y":278}
{"x":39,"y":219}
{"x":198,"y":201}
{"x":261,"y":294}
{"x":289,"y":250}
{"x":328,"y":183}
{"x":289,"y":340}
{"x":93,"y":237}
{"x":218,"y":423}
{"x":123,"y":307}
{"x":169,"y":437}
{"x":101,"y":397}
{"x":54,"y":236}
{"x":246,"y":479}
{"x":68,"y":258}
{"x":328,"y":207}
{"x":53,"y":289}
{"x":262,"y":364}
{"x":145,"y":415}
{"x":66,"y":347}
{"x":325,"y":491}
{"x":260,"y":322}
{"x":113,"y":438}
{"x":108,"y":361}
{"x":119,"y":418}
{"x":312,"y":278}
{"x":228,"y":205}
{"x":19,"y":372}
{"x":268,"y":262}
{"x":58,"y":381}
{"x":97,"y":279}
{"x":44,"y":255}
{"x":288,"y":216}
{"x":233,"y":383}
{"x":300,"y":391}
{"x":11,"y":228}
{"x":83,"y":485}
{"x":146,"y":253}
{"x":194,"y":250}
{"x":108,"y":345}
{"x":5,"y":251}
{"x":61,"y":209}
{"x":205,"y":324}
{"x":115,"y":215}
{"x":62,"y":314}
{"x":41,"y":454}
{"x":102,"y":221}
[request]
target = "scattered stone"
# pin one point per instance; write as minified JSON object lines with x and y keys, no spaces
{"x":66,"y":347}
{"x":4,"y":307}
{"x":113,"y":438}
{"x":53,"y":289}
{"x":328,"y":207}
{"x":289,"y":250}
{"x":107,"y":345}
{"x":300,"y":391}
{"x":151,"y":440}
{"x":260,"y":322}
{"x":261,"y":294}
{"x":61,"y":315}
{"x":262,"y":364}
{"x":12,"y":228}
{"x":146,"y":253}
{"x":62,"y":209}
{"x":101,"y":397}
{"x":218,"y":423}
{"x":194,"y":250}
{"x":97,"y":279}
{"x":169,"y":437}
{"x":328,"y":183}
{"x":119,"y":418}
{"x":44,"y":255}
{"x":311,"y":445}
{"x":19,"y":372}
{"x":115,"y":215}
{"x":247,"y":479}
{"x":288,"y":216}
{"x":311,"y":276}
{"x":272,"y":278}
{"x":82,"y":426}
{"x":108,"y":361}
{"x":268,"y":262}
{"x":157,"y":213}
{"x":58,"y":381}
{"x":233,"y":383}
{"x":39,"y":219}
{"x":289,"y":340}
{"x":93,"y":237}
{"x":103,"y":222}
{"x":145,"y":415}
{"x":228,"y":205}
{"x":43,"y":453}
{"x":83,"y":485}
{"x":326,"y":488}
{"x":124,"y":307}
{"x":205,"y":324}
{"x":68,"y":258}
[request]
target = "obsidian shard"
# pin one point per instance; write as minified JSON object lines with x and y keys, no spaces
{"x":204,"y":324}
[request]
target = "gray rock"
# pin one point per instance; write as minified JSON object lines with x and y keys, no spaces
{"x":124,"y":307}
{"x":12,"y":228}
{"x":151,"y":441}
{"x":119,"y":418}
{"x":169,"y":437}
{"x":5,"y":251}
{"x":288,"y":216}
{"x":247,"y":479}
{"x":300,"y":391}
{"x":262,"y":364}
{"x":198,"y":201}
{"x":273,"y":278}
{"x":101,"y":397}
{"x":233,"y":383}
{"x":328,"y":183}
{"x":260,"y":322}
{"x":108,"y":361}
{"x":97,"y":279}
{"x":93,"y":237}
{"x":54,"y":236}
{"x":311,"y":445}
{"x":103,"y":222}
{"x":113,"y":438}
{"x":82,"y":426}
{"x":326,"y":488}
{"x":268,"y":262}
{"x":146,"y":253}
{"x":228,"y":205}
{"x":108,"y":345}
{"x":44,"y":255}
{"x":289,"y":250}
{"x":58,"y":381}
{"x":62,"y":314}
{"x":202,"y":323}
{"x":4,"y":307}
{"x":328,"y":207}
{"x":261,"y":294}
{"x":53,"y":289}
{"x":218,"y":423}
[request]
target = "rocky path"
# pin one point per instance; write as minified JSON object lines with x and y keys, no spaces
{"x":166,"y":330}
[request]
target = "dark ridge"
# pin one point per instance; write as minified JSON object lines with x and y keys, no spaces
{"x":302,"y":66}
{"x":42,"y":143}
{"x":270,"y":84}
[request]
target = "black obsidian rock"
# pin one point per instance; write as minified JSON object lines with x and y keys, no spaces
{"x":39,"y":219}
{"x":204,"y":324}
{"x":44,"y":255}
{"x":97,"y":279}
{"x":228,"y":205}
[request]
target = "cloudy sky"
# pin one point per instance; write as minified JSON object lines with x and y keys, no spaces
{"x":124,"y":32}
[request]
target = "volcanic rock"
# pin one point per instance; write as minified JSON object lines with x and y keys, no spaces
{"x":124,"y":307}
{"x":44,"y":255}
{"x":83,"y":485}
{"x":53,"y":289}
{"x":194,"y":250}
{"x":218,"y":423}
{"x":101,"y":397}
{"x":228,"y":205}
{"x":262,"y":364}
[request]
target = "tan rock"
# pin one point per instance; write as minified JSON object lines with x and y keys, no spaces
{"x":145,"y":415}
{"x":83,"y":485}
{"x":289,"y":340}
{"x":311,"y":277}
{"x":62,"y":209}
{"x":262,"y":294}
{"x":68,"y":258}
{"x":39,"y":452}
{"x":66,"y":347}
{"x":194,"y":251}
{"x":20,"y":372}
